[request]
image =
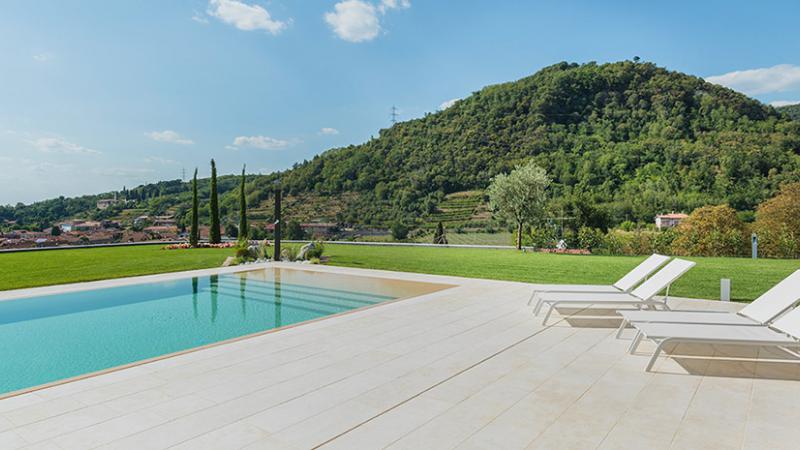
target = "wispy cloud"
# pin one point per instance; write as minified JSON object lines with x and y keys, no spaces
{"x":448,"y":103}
{"x":169,"y":136}
{"x":199,"y":17}
{"x":261,"y":142}
{"x":244,"y":16}
{"x":59,"y":145}
{"x":43,"y":57}
{"x":778,"y":103}
{"x":359,"y":20}
{"x":329,"y":131}
{"x":159,"y":160}
{"x":122,"y":172}
{"x":778,"y":78}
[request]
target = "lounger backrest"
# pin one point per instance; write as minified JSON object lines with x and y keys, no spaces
{"x":640,"y":272}
{"x":790,"y":323}
{"x":662,"y":279}
{"x":778,"y":299}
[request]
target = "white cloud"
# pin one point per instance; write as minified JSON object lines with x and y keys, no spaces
{"x":329,"y":131}
{"x":43,"y":57}
{"x":359,"y":20}
{"x":393,"y":4}
{"x":58,"y":145}
{"x":244,"y":16}
{"x":760,"y":81}
{"x":448,"y":103}
{"x":169,"y":136}
{"x":778,"y":103}
{"x":354,"y":21}
{"x":199,"y":18}
{"x":261,"y":142}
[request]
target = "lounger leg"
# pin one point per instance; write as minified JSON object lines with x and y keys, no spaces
{"x":655,"y":356}
{"x":534,"y":295}
{"x":635,"y":342}
{"x":538,"y":307}
{"x":622,"y":327}
{"x":549,"y":311}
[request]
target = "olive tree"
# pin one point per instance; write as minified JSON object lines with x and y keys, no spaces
{"x":520,"y":197}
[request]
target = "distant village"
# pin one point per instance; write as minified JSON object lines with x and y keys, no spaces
{"x":142,"y":228}
{"x":148,"y":228}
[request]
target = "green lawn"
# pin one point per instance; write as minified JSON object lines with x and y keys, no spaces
{"x":42,"y":268}
{"x":749,"y":278}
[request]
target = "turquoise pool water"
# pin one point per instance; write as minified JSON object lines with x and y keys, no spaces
{"x":49,"y":338}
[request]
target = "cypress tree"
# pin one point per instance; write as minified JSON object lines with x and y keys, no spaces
{"x":243,"y":230}
{"x":214,"y":234}
{"x":194,"y":234}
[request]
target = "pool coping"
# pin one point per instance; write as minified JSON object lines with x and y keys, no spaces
{"x":169,"y":276}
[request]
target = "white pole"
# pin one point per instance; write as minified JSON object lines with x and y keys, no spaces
{"x":725,"y":290}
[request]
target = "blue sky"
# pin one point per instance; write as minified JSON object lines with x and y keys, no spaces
{"x":95,"y":95}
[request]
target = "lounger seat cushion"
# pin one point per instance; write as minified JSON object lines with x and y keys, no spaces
{"x":577,"y":288}
{"x":589,"y":297}
{"x":695,"y":317}
{"x":715,"y":333}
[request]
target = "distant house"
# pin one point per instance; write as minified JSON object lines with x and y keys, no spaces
{"x":107,"y":202}
{"x":670,"y":220}
{"x":82,"y":225}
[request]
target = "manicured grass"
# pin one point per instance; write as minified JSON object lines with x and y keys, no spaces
{"x":42,"y":268}
{"x":749,"y":278}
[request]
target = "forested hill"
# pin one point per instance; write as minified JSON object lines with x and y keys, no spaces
{"x":632,"y":139}
{"x":792,"y":111}
{"x":622,"y":141}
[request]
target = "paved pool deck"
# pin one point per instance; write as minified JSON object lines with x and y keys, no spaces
{"x":468,"y":367}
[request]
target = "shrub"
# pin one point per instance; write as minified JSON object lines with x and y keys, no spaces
{"x":778,"y":224}
{"x":711,"y":231}
{"x":290,"y":252}
{"x":316,"y":250}
{"x":590,"y":238}
{"x":399,"y":231}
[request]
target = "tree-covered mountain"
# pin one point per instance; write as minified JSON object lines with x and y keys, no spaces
{"x":622,"y":141}
{"x":792,"y":111}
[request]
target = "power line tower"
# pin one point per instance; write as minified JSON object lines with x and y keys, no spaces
{"x":394,"y":115}
{"x":183,"y":174}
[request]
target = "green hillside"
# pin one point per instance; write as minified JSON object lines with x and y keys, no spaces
{"x":792,"y":111}
{"x":622,"y":141}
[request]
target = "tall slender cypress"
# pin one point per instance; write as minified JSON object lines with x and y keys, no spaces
{"x":214,"y":234}
{"x":194,"y":234}
{"x":244,"y":232}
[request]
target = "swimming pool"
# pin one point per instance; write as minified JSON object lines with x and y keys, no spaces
{"x":54,"y":337}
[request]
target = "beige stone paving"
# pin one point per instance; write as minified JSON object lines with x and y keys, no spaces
{"x":465,"y":368}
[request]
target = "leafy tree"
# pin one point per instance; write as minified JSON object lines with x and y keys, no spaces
{"x":439,"y":237}
{"x":520,"y":197}
{"x":294,"y":232}
{"x":231,"y":231}
{"x":778,"y":224}
{"x":711,"y":231}
{"x":243,"y":229}
{"x":194,"y":234}
{"x":213,"y":204}
{"x":55,"y":231}
{"x":399,"y":231}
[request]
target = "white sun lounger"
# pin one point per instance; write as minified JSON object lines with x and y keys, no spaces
{"x":762,"y":310}
{"x":783,"y":333}
{"x":640,"y":297}
{"x":624,"y":284}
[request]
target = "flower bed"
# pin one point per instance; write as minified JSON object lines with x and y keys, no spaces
{"x":185,"y":245}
